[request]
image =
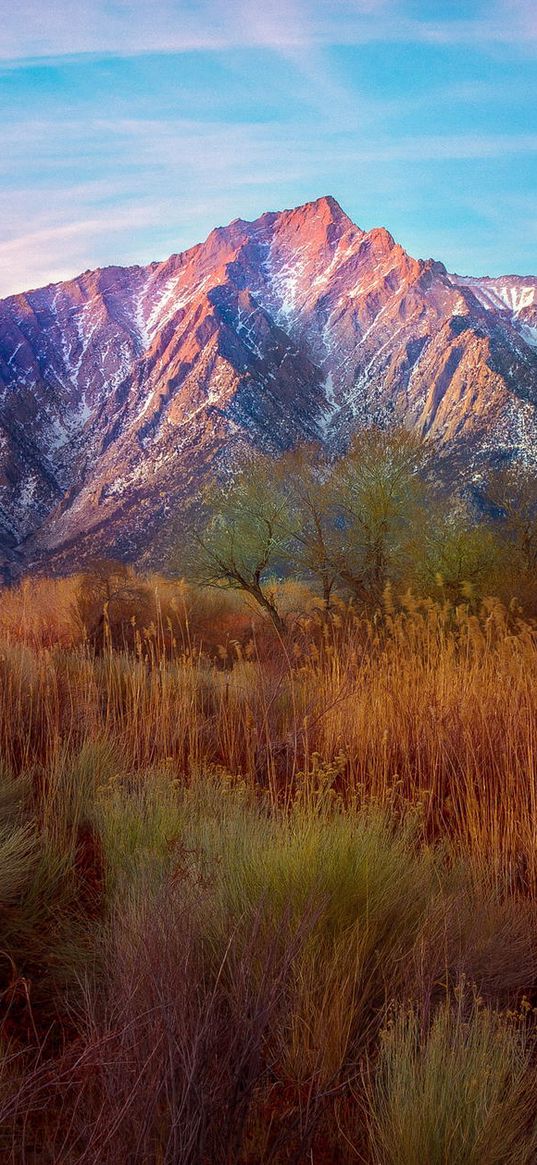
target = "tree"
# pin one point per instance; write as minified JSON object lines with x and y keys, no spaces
{"x":240,"y":540}
{"x":510,"y":498}
{"x":379,"y":504}
{"x":461,"y":556}
{"x":512,"y":492}
{"x":303,"y":477}
{"x":110,"y":601}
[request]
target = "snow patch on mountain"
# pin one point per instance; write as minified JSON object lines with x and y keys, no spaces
{"x":502,"y":294}
{"x":286,"y":280}
{"x":529,"y":334}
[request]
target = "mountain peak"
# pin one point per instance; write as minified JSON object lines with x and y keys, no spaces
{"x":326,"y":205}
{"x":325,"y":209}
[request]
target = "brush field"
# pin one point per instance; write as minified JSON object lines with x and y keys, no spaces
{"x":266,"y":898}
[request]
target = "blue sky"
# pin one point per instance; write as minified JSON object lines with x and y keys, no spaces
{"x":130,"y":128}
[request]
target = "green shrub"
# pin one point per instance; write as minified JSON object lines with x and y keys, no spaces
{"x":455,"y":1092}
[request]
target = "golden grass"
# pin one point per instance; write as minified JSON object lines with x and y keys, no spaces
{"x":229,"y":859}
{"x":429,"y":706}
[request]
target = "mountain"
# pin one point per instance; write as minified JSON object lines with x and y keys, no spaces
{"x":120,"y":388}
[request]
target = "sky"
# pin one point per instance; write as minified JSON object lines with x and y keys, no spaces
{"x":130,"y":128}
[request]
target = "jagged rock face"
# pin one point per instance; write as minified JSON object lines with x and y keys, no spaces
{"x":120,"y":388}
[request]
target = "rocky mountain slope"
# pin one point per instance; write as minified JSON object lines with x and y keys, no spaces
{"x":120,"y":388}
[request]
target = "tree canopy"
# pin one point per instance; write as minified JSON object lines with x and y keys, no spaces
{"x":379,"y":515}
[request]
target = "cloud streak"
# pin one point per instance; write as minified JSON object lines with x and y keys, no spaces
{"x":412,"y":120}
{"x":53,"y":251}
{"x":32,"y":30}
{"x":190,"y":176}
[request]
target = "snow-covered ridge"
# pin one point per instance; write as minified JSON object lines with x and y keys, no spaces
{"x":505,"y":292}
{"x":516,"y":295}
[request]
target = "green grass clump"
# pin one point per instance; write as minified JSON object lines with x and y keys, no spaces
{"x":457,"y":1090}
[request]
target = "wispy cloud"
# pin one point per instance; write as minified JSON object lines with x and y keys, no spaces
{"x":190,"y":176}
{"x":402,"y":109}
{"x":50,"y":253}
{"x":32,"y":29}
{"x":452,"y":147}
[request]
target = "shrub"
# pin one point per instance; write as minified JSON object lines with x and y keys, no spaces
{"x":455,"y":1092}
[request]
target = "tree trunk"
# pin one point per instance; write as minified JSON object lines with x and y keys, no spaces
{"x":269,"y":608}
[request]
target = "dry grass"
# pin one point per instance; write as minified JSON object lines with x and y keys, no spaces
{"x":231,"y":863}
{"x":411,"y":708}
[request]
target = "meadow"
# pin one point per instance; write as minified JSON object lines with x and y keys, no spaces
{"x":265,"y":898}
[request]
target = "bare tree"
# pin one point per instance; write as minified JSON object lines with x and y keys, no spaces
{"x":461,"y":557}
{"x":378,"y":498}
{"x":512,"y":492}
{"x":111,"y":600}
{"x":239,"y":542}
{"x":304,"y":480}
